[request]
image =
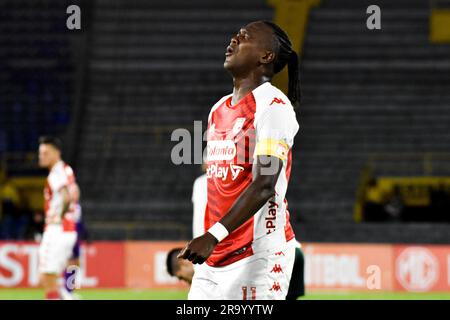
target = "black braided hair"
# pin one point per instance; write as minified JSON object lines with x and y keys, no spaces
{"x":285,"y":55}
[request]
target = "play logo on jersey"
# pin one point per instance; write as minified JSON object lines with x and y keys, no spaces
{"x":223,"y":172}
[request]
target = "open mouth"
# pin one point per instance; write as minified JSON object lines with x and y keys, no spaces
{"x":229,"y":51}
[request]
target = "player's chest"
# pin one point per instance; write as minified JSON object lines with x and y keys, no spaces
{"x":231,"y":124}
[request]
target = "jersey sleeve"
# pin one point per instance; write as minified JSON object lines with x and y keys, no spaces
{"x":275,"y":131}
{"x":69,"y":174}
{"x":58,"y":180}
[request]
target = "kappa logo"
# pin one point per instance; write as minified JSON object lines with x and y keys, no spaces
{"x":277,"y":268}
{"x":277,"y":101}
{"x":275,"y":287}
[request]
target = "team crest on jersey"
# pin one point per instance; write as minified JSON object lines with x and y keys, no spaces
{"x":238,"y":125}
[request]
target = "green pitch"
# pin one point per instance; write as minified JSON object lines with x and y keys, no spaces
{"x":117,"y":294}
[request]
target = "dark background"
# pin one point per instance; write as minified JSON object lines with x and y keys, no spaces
{"x":117,"y":88}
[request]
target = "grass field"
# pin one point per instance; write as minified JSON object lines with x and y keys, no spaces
{"x":35,"y":294}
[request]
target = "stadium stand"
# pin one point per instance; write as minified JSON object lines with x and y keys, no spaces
{"x":36,"y":73}
{"x":365,"y":92}
{"x":382,"y":91}
{"x":150,"y":67}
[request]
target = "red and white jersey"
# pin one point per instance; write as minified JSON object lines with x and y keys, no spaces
{"x":60,"y":176}
{"x":262,"y":123}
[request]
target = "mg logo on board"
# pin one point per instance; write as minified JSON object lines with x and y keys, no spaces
{"x":417,"y":269}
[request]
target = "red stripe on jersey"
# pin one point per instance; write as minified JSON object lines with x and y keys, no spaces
{"x":288,"y":230}
{"x":231,"y":177}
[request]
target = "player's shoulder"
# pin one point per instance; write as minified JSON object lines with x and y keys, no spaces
{"x":269,"y":98}
{"x":68,"y":169}
{"x":218,"y":104}
{"x":268,"y":95}
{"x":62,"y":168}
{"x":58,"y":176}
{"x":57,"y":169}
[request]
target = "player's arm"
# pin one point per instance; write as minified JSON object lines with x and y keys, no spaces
{"x":74,"y":192}
{"x":66,"y":197}
{"x":262,"y":188}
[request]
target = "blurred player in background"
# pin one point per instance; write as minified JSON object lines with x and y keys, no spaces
{"x":70,"y":274}
{"x":59,"y":235}
{"x":249,"y":246}
{"x":199,"y":199}
{"x":180,"y":268}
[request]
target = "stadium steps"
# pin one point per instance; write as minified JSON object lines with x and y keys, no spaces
{"x":154,"y":66}
{"x":36,"y":73}
{"x":365,"y":92}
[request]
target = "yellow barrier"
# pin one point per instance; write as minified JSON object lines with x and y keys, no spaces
{"x":440,"y":26}
{"x":27,"y":192}
{"x":412,"y":191}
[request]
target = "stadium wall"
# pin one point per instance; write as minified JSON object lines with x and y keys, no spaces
{"x":329,"y":267}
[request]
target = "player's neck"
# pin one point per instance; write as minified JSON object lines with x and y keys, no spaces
{"x":243,"y":85}
{"x":50,"y":167}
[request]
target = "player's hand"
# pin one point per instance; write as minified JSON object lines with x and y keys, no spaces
{"x":199,"y":249}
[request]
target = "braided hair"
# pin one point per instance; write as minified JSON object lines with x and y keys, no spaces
{"x":285,"y":55}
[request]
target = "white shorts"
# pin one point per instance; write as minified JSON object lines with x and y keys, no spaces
{"x":259,"y":277}
{"x":55,"y":249}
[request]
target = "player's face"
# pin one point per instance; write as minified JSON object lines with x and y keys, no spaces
{"x":247,"y":48}
{"x":185,"y":271}
{"x":48,"y":155}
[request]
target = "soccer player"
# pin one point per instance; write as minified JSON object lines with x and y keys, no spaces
{"x":70,"y":274}
{"x":297,"y":283}
{"x":249,"y":246}
{"x":180,"y":268}
{"x":59,"y":234}
{"x":183,"y":269}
